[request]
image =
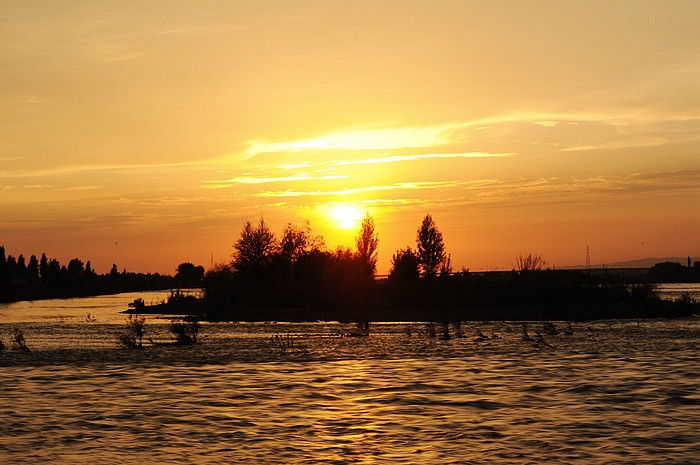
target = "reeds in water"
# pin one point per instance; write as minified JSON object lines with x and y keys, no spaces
{"x":186,"y":331}
{"x":132,"y":336}
{"x":285,"y":345}
{"x":18,"y":341}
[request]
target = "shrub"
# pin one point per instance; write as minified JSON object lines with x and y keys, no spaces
{"x":186,"y":331}
{"x":132,"y":337}
{"x":18,"y":342}
{"x":179,"y":296}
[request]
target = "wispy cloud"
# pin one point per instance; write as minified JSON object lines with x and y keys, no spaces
{"x":360,"y":190}
{"x":520,"y":191}
{"x":623,"y":144}
{"x":393,"y":159}
{"x":364,"y":139}
{"x":129,"y":45}
{"x":160,"y":201}
{"x":75,"y":169}
{"x":83,"y":188}
{"x":423,"y":156}
{"x":622,"y":122}
{"x":37,"y":186}
{"x":221,"y":184}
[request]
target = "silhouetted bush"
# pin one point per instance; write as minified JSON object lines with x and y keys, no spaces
{"x":18,"y":341}
{"x":132,"y":336}
{"x":186,"y":331}
{"x":189,"y":275}
{"x":672,"y":272}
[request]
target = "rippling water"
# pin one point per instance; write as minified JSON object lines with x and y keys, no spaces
{"x":611,"y":392}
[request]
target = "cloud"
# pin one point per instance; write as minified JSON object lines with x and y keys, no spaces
{"x":633,"y":185}
{"x":613,"y":127}
{"x":623,"y":144}
{"x":394,"y":159}
{"x":75,"y":169}
{"x":509,"y":192}
{"x":364,"y":139}
{"x":423,"y":156}
{"x":83,"y":188}
{"x":221,"y":184}
{"x":129,"y":45}
{"x":294,"y":166}
{"x":37,"y":186}
{"x":421,"y":185}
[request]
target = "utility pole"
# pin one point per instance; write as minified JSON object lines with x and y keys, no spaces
{"x":588,"y":258}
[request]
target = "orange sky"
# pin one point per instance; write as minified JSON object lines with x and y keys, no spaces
{"x":145,"y":134}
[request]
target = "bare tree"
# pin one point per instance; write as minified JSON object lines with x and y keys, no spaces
{"x":529,"y":262}
{"x":367,"y":243}
{"x":431,"y":249}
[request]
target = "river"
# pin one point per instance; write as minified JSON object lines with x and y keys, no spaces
{"x":598,"y":392}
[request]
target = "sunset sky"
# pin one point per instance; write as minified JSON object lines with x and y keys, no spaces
{"x":146,"y":133}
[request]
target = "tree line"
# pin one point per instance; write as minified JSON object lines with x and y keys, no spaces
{"x":296,"y":277}
{"x":46,"y":278}
{"x":298,"y":269}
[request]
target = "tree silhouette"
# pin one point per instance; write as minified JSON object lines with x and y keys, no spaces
{"x":367,"y":243}
{"x":217,"y":283}
{"x":297,"y":241}
{"x":255,"y":248}
{"x":47,"y":278}
{"x":446,"y":267}
{"x":189,"y":274}
{"x":431,"y":249}
{"x":44,"y":268}
{"x":21,"y":270}
{"x":529,"y":262}
{"x":404,"y":266}
{"x":33,"y":268}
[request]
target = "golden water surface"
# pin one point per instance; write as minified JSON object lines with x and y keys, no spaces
{"x":611,"y":392}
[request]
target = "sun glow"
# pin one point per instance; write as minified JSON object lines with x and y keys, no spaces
{"x":346,"y":216}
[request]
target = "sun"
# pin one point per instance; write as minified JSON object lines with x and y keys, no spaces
{"x":346,"y":216}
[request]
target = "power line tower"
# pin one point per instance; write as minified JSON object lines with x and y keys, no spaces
{"x":588,"y":258}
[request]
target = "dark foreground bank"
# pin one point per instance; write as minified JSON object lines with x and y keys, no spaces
{"x":211,"y":310}
{"x":535,"y":295}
